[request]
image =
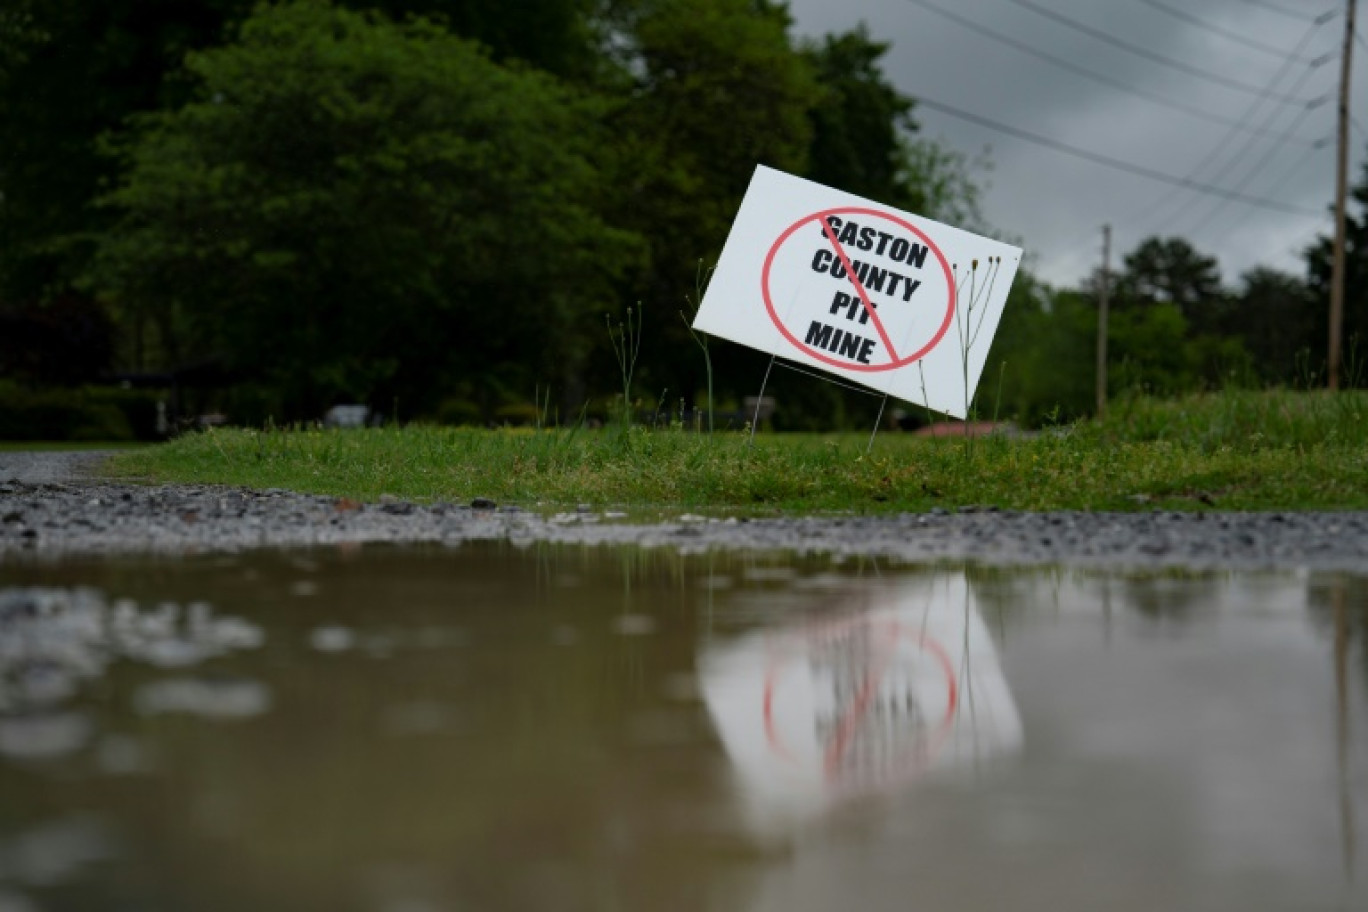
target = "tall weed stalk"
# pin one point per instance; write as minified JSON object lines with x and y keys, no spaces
{"x":626,"y":342}
{"x":701,"y":279}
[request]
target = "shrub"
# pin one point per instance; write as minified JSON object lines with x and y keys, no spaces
{"x":84,"y":413}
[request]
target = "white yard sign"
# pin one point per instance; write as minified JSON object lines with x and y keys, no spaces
{"x":879,"y":297}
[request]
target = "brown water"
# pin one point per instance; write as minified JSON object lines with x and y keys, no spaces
{"x":573,"y":728}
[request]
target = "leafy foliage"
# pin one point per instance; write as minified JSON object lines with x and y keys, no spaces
{"x":1171,"y":271}
{"x":1277,"y":319}
{"x":864,"y":136}
{"x":74,"y":326}
{"x":71,"y":70}
{"x":1041,"y":343}
{"x":1319,"y":260}
{"x":716,"y":90}
{"x":708,"y":90}
{"x":860,"y":120}
{"x":352,"y":207}
{"x":552,"y":35}
{"x":332,"y":203}
{"x":436,"y":201}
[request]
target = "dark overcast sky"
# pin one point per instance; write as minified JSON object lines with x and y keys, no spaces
{"x":1054,"y":204}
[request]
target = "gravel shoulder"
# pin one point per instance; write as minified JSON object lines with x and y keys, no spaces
{"x":80,"y":516}
{"x":49,"y":466}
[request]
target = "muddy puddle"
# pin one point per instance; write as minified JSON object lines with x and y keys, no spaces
{"x":567,"y":728}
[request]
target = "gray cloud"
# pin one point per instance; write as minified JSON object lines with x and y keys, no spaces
{"x":1055,"y":204}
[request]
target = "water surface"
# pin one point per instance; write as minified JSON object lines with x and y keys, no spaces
{"x":558,"y":727}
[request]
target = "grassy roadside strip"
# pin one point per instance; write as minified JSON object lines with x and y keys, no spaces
{"x":1235,"y":451}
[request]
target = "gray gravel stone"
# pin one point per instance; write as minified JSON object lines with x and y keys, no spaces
{"x":97,"y":518}
{"x":46,"y":467}
{"x":51,"y":506}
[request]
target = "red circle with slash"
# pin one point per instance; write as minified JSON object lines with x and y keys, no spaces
{"x":894,"y":362}
{"x":851,"y":717}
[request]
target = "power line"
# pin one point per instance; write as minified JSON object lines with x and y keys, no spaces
{"x":1106,"y":38}
{"x":1219,"y":176}
{"x":1231,"y":134}
{"x":1310,"y":153}
{"x":1109,"y":161}
{"x":1283,"y":179}
{"x":1225,"y":33}
{"x":1023,"y":47}
{"x":1246,"y":118}
{"x":1294,"y":14}
{"x":1248,"y":178}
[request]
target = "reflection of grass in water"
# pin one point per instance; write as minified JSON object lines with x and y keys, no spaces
{"x":1233,"y":450}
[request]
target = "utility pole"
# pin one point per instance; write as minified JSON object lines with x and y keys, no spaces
{"x":1341,"y":189}
{"x":1103,"y":292}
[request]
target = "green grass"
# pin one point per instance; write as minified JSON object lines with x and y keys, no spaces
{"x":1239,"y":451}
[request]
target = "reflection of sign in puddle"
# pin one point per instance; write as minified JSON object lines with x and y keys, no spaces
{"x":879,"y":700}
{"x":811,"y":715}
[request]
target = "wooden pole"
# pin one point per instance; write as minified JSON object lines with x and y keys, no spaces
{"x":1103,"y":293}
{"x":1341,"y":191}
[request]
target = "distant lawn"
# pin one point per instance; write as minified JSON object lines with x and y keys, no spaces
{"x":1236,"y":451}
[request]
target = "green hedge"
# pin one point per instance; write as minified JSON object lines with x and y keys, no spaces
{"x":85,"y":413}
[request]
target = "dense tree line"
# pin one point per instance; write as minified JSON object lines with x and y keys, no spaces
{"x":437,"y":202}
{"x":429,"y":201}
{"x":1175,"y":327}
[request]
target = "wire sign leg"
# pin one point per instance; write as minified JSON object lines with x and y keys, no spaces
{"x":760,"y":399}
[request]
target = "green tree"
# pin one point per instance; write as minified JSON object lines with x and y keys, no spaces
{"x":1042,"y":356}
{"x":711,"y":88}
{"x":1150,"y":350}
{"x":554,"y":35}
{"x":718,"y":90}
{"x":692,"y":94}
{"x":350,"y":207}
{"x":1175,"y":326}
{"x":859,"y":120}
{"x":1277,"y":320}
{"x":63,"y":342}
{"x":74,"y":70}
{"x":20,"y":33}
{"x":71,"y":70}
{"x":1172,"y":271}
{"x":864,"y":136}
{"x":944,"y":183}
{"x":1319,"y":263}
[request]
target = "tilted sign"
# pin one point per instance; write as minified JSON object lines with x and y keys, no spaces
{"x":883,"y":298}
